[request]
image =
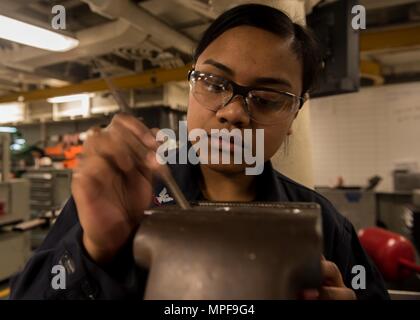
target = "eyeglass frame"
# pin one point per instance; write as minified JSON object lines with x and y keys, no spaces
{"x":243,"y":91}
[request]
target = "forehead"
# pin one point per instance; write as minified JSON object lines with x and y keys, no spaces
{"x":252,"y":52}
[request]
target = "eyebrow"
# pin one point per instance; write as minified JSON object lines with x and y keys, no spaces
{"x":258,"y":81}
{"x":220,"y":66}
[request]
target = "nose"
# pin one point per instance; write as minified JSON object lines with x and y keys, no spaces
{"x":234,"y":113}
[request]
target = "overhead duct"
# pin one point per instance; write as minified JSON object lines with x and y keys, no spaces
{"x":19,"y":80}
{"x":199,"y":7}
{"x":132,"y":27}
{"x":139,"y":18}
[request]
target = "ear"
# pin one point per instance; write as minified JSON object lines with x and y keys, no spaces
{"x":290,"y":131}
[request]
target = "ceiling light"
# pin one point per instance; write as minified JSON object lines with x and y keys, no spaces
{"x":31,"y":35}
{"x":70,"y":98}
{"x":8,"y":129}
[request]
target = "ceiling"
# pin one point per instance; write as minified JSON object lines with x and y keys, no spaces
{"x":128,"y":37}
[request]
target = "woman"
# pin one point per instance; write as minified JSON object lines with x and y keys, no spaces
{"x":251,"y":69}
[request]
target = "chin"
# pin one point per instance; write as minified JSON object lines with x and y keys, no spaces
{"x":226,"y":168}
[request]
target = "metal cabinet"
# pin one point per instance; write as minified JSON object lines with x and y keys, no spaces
{"x":50,"y":188}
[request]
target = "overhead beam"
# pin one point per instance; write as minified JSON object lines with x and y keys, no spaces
{"x":390,"y":38}
{"x":147,"y":79}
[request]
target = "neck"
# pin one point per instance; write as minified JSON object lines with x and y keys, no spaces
{"x":219,"y":186}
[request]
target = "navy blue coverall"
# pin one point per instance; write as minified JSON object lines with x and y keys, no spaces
{"x":122,"y":279}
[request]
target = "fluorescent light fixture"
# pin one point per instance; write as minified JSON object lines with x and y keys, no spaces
{"x":31,"y":35}
{"x":70,"y":98}
{"x":71,"y":106}
{"x":8,"y":129}
{"x":12,"y":112}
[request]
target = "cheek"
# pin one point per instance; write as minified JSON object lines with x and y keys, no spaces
{"x":194,"y":118}
{"x":198,"y":116}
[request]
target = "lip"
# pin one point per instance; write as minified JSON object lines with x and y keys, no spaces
{"x":235,"y":141}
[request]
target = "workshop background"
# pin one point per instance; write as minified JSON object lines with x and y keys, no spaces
{"x":356,"y":140}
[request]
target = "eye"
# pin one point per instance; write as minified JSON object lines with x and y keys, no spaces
{"x":267,"y":101}
{"x":213,"y":86}
{"x":266,"y":98}
{"x":262,"y":101}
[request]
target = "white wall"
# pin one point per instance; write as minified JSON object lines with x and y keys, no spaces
{"x":297,"y":164}
{"x":362,"y":134}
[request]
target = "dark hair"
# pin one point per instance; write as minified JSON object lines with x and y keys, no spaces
{"x":304,"y":45}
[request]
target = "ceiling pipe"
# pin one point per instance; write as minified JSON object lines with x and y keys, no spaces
{"x":143,"y":20}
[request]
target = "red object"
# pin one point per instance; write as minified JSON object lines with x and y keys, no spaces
{"x":71,"y":154}
{"x":393,"y":254}
{"x":2,"y":208}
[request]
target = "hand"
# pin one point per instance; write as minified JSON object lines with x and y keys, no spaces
{"x":113,"y":184}
{"x":333,"y":287}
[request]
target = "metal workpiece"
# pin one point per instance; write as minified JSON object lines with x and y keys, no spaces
{"x":230,"y":251}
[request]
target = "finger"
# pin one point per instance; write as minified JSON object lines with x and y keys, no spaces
{"x":336,"y":293}
{"x":89,"y":177}
{"x":96,"y":174}
{"x":108,"y":147}
{"x":154,"y":131}
{"x":310,"y":294}
{"x":138,"y":128}
{"x":93,"y":130}
{"x":120,"y":146}
{"x":331,"y":274}
{"x":141,"y":154}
